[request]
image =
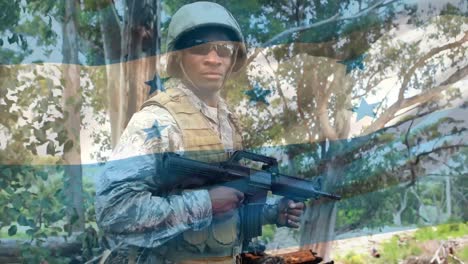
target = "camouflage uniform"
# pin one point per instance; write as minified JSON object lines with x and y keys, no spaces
{"x":144,"y":223}
{"x":131,"y":209}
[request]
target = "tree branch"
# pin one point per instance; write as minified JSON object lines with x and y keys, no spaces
{"x":402,"y":102}
{"x":404,"y":203}
{"x":334,"y":18}
{"x":377,"y":180}
{"x":369,"y":87}
{"x":458,"y":75}
{"x":278,"y":87}
{"x":322,"y":95}
{"x":408,"y":147}
{"x":390,"y":112}
{"x":305,"y":122}
{"x":422,"y":61}
{"x":426,"y":153}
{"x":408,"y":120}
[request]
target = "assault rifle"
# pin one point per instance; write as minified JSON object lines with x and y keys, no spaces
{"x":182,"y":173}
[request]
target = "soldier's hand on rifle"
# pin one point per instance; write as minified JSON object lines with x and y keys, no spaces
{"x":224,"y":200}
{"x":289,"y":213}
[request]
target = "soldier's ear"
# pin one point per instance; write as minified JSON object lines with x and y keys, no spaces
{"x":178,"y":61}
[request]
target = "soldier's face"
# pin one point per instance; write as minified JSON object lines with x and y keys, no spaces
{"x":208,"y":61}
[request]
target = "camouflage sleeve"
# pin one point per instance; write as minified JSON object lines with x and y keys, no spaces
{"x":131,"y":208}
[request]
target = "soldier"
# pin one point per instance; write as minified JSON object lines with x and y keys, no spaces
{"x":140,"y":220}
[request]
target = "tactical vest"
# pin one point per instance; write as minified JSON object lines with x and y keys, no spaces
{"x":201,"y":143}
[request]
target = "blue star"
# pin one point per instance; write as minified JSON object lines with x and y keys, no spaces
{"x":154,"y":131}
{"x":258,"y":94}
{"x":364,"y":110}
{"x":354,"y":63}
{"x":157,"y":83}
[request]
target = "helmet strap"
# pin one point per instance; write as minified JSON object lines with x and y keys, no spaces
{"x":186,"y":77}
{"x":229,"y":72}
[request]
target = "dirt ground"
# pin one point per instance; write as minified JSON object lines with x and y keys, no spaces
{"x":366,"y":244}
{"x":359,"y":244}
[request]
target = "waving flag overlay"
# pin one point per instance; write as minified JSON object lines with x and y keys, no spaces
{"x":366,"y":98}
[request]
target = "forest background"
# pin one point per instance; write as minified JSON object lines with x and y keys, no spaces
{"x":370,"y":95}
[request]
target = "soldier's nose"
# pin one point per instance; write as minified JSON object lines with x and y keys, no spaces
{"x":213,"y":57}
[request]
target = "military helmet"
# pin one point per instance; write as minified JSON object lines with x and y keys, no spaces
{"x":199,"y":15}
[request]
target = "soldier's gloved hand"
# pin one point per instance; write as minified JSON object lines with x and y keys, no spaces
{"x":289,"y":213}
{"x":224,"y":200}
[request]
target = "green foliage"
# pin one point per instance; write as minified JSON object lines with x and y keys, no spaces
{"x":39,"y":212}
{"x":268,"y":233}
{"x":34,"y":196}
{"x":9,"y":56}
{"x":348,"y":217}
{"x":391,"y":251}
{"x":12,"y":230}
{"x":442,"y":232}
{"x":36,"y":204}
{"x":34,"y":254}
{"x":39,"y":28}
{"x":353,"y":258}
{"x":356,"y":259}
{"x":10,"y":14}
{"x":400,"y":248}
{"x":463,"y":253}
{"x":451,"y":10}
{"x":32,"y":186}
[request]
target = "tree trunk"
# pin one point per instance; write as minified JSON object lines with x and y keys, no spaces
{"x":142,"y":40}
{"x":318,"y":230}
{"x":72,"y":117}
{"x":398,"y":211}
{"x":448,"y":196}
{"x":111,"y":31}
{"x":138,"y":54}
{"x":137,"y":73}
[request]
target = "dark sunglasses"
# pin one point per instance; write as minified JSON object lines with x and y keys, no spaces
{"x":203,"y":47}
